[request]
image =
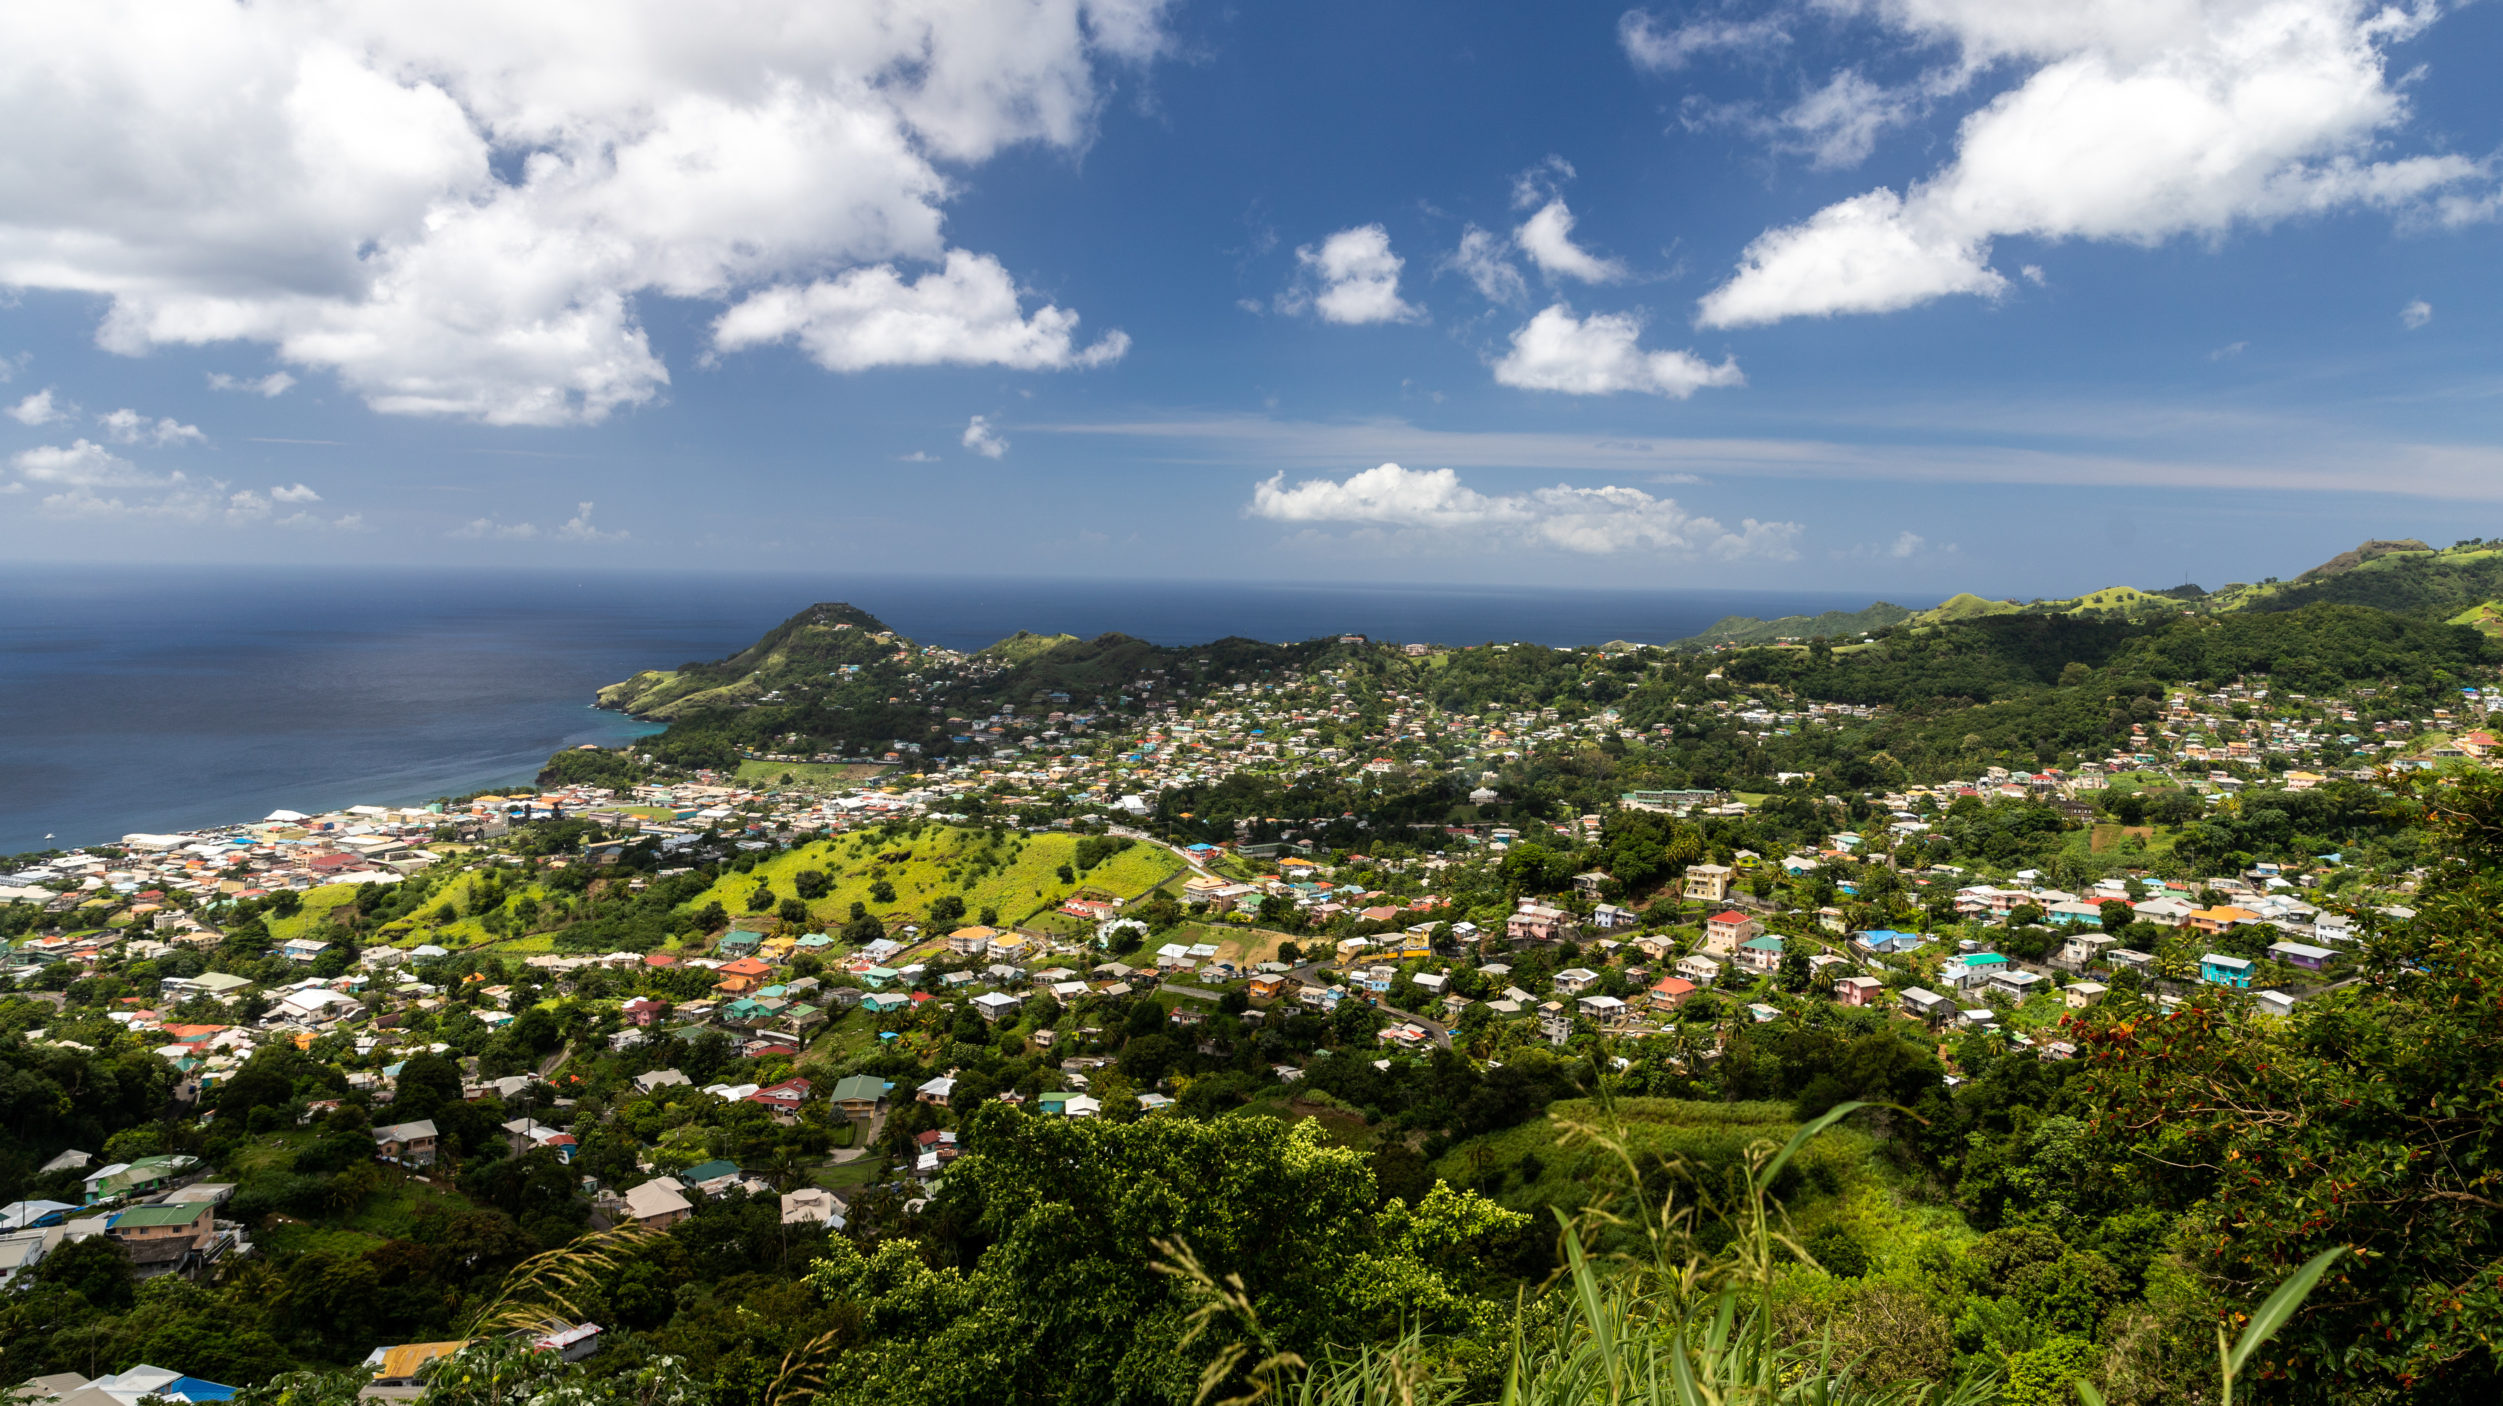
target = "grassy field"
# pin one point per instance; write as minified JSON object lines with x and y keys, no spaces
{"x":1015,"y":874}
{"x":807,"y":775}
{"x":317,"y":905}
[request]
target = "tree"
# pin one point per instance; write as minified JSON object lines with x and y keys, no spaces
{"x":95,"y":1266}
{"x":1077,"y":1216}
{"x":2367,"y":1120}
{"x":947,"y":908}
{"x":428,"y":1082}
{"x":2115,"y":915}
{"x":1795,"y":969}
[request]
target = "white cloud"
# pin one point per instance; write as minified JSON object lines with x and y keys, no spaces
{"x":2229,"y":351}
{"x":1658,"y":48}
{"x":964,"y":313}
{"x":1601,"y":355}
{"x":273,"y":385}
{"x":298,"y":493}
{"x":1907,"y":544}
{"x":83,"y":464}
{"x":918,"y":456}
{"x":1838,"y":125}
{"x":130,"y":427}
{"x":1480,"y":258}
{"x":1353,"y":278}
{"x":487,"y":529}
{"x":983,"y":440}
{"x":38,"y":409}
{"x":1547,"y":237}
{"x":2131,"y":122}
{"x":455,"y":206}
{"x":2416,"y":314}
{"x":578,"y":528}
{"x":1588,"y":521}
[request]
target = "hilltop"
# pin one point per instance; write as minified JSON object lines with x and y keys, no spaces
{"x":2461,"y":584}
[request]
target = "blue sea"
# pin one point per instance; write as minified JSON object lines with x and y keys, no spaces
{"x":171,"y":698}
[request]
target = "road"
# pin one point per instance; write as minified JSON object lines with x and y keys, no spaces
{"x":1310,"y":975}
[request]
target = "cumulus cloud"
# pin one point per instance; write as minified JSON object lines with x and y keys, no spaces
{"x":1656,"y":47}
{"x":964,"y":313}
{"x":1547,"y":237}
{"x":1838,"y":124}
{"x":456,"y":206}
{"x":86,"y":480}
{"x":38,"y":409}
{"x":578,"y":528}
{"x":2416,"y":314}
{"x":1352,"y":277}
{"x":83,"y":464}
{"x":273,"y":385}
{"x":1480,"y":259}
{"x":130,"y":427}
{"x":2127,"y":122}
{"x":983,"y":440}
{"x":1588,"y":521}
{"x":1602,"y":355}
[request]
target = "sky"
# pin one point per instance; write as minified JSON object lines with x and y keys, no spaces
{"x":2024,"y":297}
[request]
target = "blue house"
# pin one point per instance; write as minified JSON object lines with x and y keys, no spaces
{"x":2217,"y":969}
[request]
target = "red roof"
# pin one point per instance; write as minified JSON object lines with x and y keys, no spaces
{"x":660,"y":959}
{"x":745,"y":966}
{"x":1731,"y":916}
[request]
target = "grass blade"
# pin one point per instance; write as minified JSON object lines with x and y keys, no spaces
{"x":2280,"y":1307}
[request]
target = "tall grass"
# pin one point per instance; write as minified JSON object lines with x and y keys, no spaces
{"x":1664,"y":1325}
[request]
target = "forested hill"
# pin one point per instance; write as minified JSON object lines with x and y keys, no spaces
{"x":2462,"y":583}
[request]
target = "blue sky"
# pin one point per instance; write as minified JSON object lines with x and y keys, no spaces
{"x":1903,"y":296}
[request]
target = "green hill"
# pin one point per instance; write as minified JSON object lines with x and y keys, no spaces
{"x":1833,"y":624}
{"x":1025,"y":645}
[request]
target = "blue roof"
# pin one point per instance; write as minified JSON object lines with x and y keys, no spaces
{"x":194,"y":1389}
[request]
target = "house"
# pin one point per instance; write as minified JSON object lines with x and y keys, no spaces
{"x":2221,"y":918}
{"x":995,"y":1006}
{"x":2272,"y":1002}
{"x":861,"y":1095}
{"x":782,"y":1100}
{"x":2165,"y":912}
{"x":1723,"y":932}
{"x":1588,"y":885}
{"x":1606,"y":1010}
{"x":1267,"y":988}
{"x":654,"y":1081}
{"x":1608,"y":917}
{"x":2074,"y":913}
{"x":1573,"y":981}
{"x":2081,"y":994}
{"x":971,"y":942}
{"x":1539,"y":922}
{"x":742,"y":976}
{"x":712,"y":1178}
{"x":2217,"y":969}
{"x":1670,"y":992}
{"x":1708,"y":883}
{"x":812,"y":1205}
{"x":1555,"y":1022}
{"x":217,"y":986}
{"x":2297,"y":954}
{"x":1699,"y":969}
{"x":658,"y":1204}
{"x":2017,"y":983}
{"x":1761,"y":954}
{"x":124,"y":1388}
{"x":396,"y":1369}
{"x":2080,"y":950}
{"x":1858,"y":990}
{"x":160,"y":1238}
{"x":570,"y":1344}
{"x":643,"y":1011}
{"x":410,"y":1144}
{"x":144,"y":1177}
{"x":1925,"y":1004}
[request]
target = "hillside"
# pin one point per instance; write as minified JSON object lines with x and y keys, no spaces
{"x":2402,"y":576}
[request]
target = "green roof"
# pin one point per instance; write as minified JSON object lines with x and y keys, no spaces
{"x":707,"y":1171}
{"x":162,"y":1215}
{"x":860,"y":1086}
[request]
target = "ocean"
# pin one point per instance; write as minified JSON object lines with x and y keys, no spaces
{"x":148,"y":699}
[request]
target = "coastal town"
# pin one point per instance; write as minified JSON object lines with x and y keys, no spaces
{"x":778,"y":995}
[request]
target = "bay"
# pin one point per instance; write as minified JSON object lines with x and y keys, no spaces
{"x":151,"y":698}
